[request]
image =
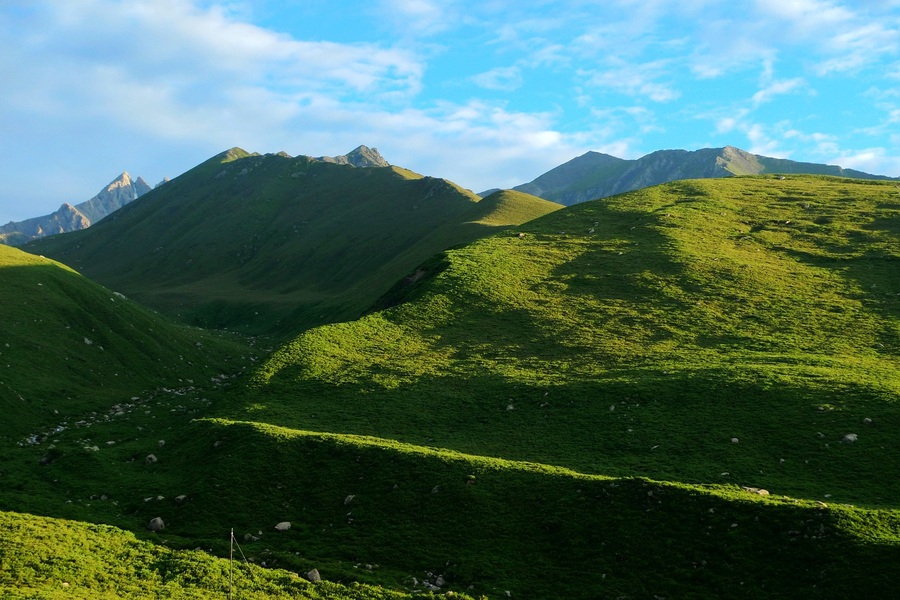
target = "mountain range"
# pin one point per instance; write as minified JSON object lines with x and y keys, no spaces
{"x":596,"y":175}
{"x":120,"y":191}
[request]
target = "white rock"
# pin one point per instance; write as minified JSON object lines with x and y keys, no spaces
{"x":314,"y":576}
{"x":283,"y":526}
{"x":849,"y":438}
{"x":156,"y":524}
{"x":734,"y":440}
{"x":349,"y":499}
{"x":151,"y":459}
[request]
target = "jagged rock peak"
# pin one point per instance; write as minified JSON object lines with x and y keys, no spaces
{"x":362,"y":156}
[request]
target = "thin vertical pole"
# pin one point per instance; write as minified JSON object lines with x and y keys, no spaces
{"x":231,"y":565}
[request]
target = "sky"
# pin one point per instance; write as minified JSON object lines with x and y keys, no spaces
{"x":486,"y":93}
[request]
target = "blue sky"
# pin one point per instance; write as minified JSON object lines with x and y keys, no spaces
{"x":487,"y":93}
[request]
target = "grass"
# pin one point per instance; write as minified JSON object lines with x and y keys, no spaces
{"x":580,"y":407}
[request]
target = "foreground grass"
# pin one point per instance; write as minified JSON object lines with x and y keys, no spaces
{"x":386,"y":514}
{"x":52,"y":558}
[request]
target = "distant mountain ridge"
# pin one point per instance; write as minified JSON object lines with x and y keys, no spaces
{"x":597,"y":175}
{"x":119,"y":192}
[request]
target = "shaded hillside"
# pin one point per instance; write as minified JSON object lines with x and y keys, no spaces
{"x":70,"y":347}
{"x":274,"y":243}
{"x":114,"y":196}
{"x":595,"y":175}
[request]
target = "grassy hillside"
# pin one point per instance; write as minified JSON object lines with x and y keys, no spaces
{"x":584,"y":406}
{"x":54,"y":558}
{"x":273,"y":243}
{"x":726,"y":333}
{"x":67,"y":344}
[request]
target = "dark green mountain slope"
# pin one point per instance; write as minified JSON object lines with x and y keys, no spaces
{"x":272,"y":243}
{"x":69,"y":347}
{"x":595,"y":175}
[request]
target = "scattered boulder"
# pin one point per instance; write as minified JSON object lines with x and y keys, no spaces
{"x":349,"y":499}
{"x":314,"y":576}
{"x":162,"y":443}
{"x":156,"y":524}
{"x":734,"y":440}
{"x":151,"y":459}
{"x":755,"y":490}
{"x":283,"y":526}
{"x":180,"y":499}
{"x":849,"y":438}
{"x":867,"y":421}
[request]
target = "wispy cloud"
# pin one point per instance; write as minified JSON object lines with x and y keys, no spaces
{"x":419,"y":17}
{"x":639,"y":80}
{"x":501,"y":78}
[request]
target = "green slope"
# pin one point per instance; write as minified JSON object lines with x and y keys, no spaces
{"x":67,"y":344}
{"x":645,"y":320}
{"x":641,"y":335}
{"x":53,"y":558}
{"x":273,"y":243}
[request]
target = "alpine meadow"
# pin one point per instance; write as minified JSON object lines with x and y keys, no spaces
{"x":290,"y":377}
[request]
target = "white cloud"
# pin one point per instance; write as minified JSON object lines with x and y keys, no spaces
{"x":501,"y":78}
{"x":870,"y":160}
{"x":640,"y":80}
{"x":181,"y":72}
{"x":418,"y":17}
{"x":776,"y":88}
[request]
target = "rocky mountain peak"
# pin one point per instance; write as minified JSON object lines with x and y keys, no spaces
{"x":121,"y":181}
{"x":362,"y":156}
{"x":119,"y":192}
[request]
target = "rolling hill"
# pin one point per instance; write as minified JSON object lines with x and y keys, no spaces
{"x":596,"y":175}
{"x":647,"y":395}
{"x":274,"y":243}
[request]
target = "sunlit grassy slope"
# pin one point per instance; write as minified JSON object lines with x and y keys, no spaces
{"x":276,"y":244}
{"x":639,"y":335}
